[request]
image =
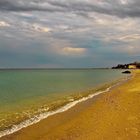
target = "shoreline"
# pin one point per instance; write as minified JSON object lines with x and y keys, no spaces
{"x":42,"y":116}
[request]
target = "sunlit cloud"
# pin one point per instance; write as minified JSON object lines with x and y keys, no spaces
{"x":130,"y":37}
{"x":73,"y":51}
{"x":124,"y":2}
{"x":124,"y":38}
{"x":40,"y":28}
{"x":4,"y":24}
{"x":65,"y":48}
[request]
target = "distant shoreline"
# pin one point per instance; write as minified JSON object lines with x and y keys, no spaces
{"x":51,"y":68}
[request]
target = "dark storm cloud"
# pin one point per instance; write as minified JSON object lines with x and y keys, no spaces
{"x":120,"y":8}
{"x":19,"y":6}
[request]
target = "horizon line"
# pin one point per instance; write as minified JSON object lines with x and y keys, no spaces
{"x":51,"y":68}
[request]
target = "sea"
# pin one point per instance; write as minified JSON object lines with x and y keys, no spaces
{"x":30,"y":95}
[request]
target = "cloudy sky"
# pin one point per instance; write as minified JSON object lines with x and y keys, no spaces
{"x":69,"y":33}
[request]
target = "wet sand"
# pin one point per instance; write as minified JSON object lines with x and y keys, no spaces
{"x":114,"y":115}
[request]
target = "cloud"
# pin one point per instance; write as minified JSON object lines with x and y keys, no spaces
{"x":129,"y":50}
{"x":4,"y":24}
{"x":120,"y":8}
{"x":21,"y":5}
{"x":73,"y":51}
{"x":40,"y":28}
{"x":65,"y":48}
{"x":68,"y":33}
{"x":130,"y":38}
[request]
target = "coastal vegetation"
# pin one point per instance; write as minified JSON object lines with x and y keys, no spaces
{"x":134,"y":65}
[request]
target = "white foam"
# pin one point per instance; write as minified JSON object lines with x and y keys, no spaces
{"x":42,"y":116}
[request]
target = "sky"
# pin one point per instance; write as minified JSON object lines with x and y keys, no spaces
{"x":69,"y":33}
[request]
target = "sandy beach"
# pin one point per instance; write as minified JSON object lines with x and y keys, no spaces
{"x":114,"y":115}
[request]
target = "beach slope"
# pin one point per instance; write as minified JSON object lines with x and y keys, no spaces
{"x":114,"y":115}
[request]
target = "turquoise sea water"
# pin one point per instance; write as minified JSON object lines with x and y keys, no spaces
{"x":25,"y":93}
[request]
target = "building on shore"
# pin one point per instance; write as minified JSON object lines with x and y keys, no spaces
{"x":132,"y":66}
{"x":135,"y":65}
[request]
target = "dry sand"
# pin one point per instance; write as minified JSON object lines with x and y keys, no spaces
{"x":114,"y":115}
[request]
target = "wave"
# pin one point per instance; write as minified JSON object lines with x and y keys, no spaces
{"x":38,"y":118}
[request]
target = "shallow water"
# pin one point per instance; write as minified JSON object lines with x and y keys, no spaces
{"x":25,"y":93}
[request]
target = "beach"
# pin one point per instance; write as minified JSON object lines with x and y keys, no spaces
{"x":113,"y":115}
